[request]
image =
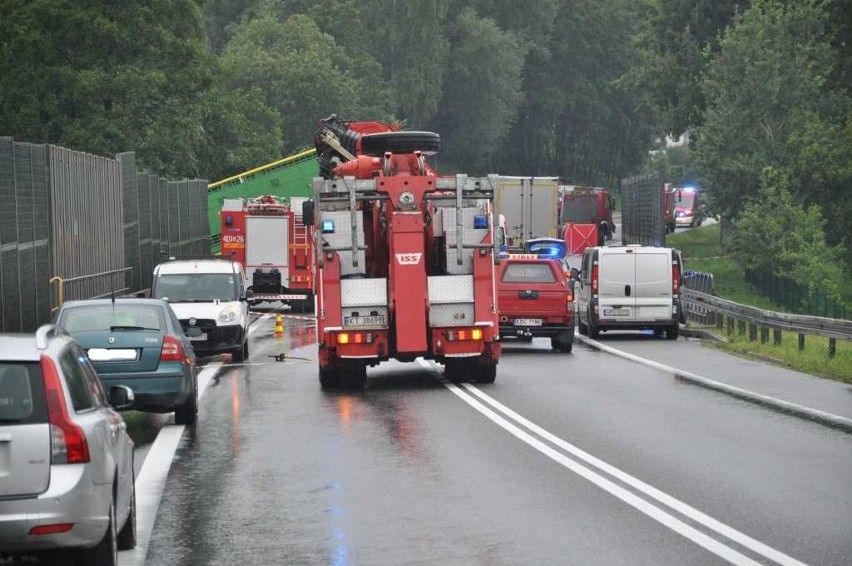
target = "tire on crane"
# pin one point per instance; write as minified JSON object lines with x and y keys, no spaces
{"x":400,"y":142}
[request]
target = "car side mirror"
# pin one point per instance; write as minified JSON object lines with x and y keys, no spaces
{"x":121,"y":397}
{"x":308,"y":213}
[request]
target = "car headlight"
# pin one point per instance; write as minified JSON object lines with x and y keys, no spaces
{"x":228,"y":315}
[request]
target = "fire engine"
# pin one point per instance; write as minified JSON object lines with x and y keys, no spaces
{"x":586,"y":205}
{"x":405,"y":258}
{"x":271,"y":242}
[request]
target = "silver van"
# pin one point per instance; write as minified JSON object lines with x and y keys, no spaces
{"x":630,"y":288}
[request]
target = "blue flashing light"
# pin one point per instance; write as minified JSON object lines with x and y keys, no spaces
{"x":328,"y":226}
{"x":689,"y":189}
{"x":480,"y":221}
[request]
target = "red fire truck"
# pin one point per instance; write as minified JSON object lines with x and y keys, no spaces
{"x":405,"y":259}
{"x":271,"y":242}
{"x":586,"y":205}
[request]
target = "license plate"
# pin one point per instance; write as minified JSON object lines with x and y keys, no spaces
{"x":378,"y":320}
{"x":111,"y":355}
{"x":202,"y":336}
{"x":616,"y":312}
{"x":527,"y":322}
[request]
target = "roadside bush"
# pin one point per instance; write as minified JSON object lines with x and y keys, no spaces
{"x":774,"y":234}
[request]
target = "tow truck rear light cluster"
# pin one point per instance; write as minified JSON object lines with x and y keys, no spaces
{"x":355,"y":338}
{"x":300,"y":278}
{"x":464,"y":334}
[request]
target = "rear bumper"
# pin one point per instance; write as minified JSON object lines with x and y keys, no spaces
{"x":154,"y":393}
{"x":71,"y":498}
{"x":546,"y":330}
{"x":635,"y":324}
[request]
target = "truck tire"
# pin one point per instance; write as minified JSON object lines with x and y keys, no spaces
{"x":329,"y":378}
{"x":486,"y":373}
{"x":400,"y":142}
{"x":355,"y":376}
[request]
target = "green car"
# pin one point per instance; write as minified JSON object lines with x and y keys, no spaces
{"x":138,"y":343}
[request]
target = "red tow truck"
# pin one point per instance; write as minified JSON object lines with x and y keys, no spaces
{"x":405,"y":258}
{"x":271,"y":242}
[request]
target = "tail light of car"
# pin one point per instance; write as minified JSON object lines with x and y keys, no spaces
{"x":68,"y":444}
{"x":675,"y":279}
{"x":569,"y":301}
{"x":172,"y":350}
{"x":51,"y":529}
{"x":595,"y":278}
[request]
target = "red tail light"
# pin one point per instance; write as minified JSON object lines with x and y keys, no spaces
{"x":68,"y":444}
{"x":595,"y":278}
{"x":172,"y":350}
{"x":51,"y":529}
{"x":675,"y":279}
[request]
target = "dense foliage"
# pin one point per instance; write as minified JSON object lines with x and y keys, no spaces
{"x":573,"y":88}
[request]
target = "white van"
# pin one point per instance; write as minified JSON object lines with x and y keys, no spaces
{"x":210,"y":299}
{"x":630,"y":288}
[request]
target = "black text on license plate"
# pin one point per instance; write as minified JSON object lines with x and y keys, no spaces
{"x":527,"y":322}
{"x":202,"y":336}
{"x":376,"y":320}
{"x":616,"y":312}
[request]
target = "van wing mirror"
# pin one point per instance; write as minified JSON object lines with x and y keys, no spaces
{"x":308,"y":213}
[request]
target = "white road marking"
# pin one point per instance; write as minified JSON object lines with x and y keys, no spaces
{"x":716,"y":547}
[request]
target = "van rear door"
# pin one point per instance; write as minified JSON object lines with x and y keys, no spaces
{"x":653,"y":289}
{"x":616,"y":281}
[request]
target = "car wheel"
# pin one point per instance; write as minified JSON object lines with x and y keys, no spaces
{"x":564,"y":342}
{"x":584,"y":330}
{"x":672,"y":331}
{"x":105,"y":553}
{"x":187,"y":413}
{"x":126,"y":538}
{"x":242,"y":353}
{"x":594,"y":330}
{"x":400,"y":142}
{"x":486,"y":373}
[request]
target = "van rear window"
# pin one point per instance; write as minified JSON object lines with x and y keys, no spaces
{"x":528,"y":272}
{"x":21,"y":393}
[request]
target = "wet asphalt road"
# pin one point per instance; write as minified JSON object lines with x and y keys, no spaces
{"x":410,"y":472}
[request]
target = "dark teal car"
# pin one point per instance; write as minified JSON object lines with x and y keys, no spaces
{"x":138,"y":343}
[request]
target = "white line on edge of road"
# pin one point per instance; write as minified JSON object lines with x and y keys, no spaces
{"x":670,"y":521}
{"x":792,"y":408}
{"x":155,"y":470}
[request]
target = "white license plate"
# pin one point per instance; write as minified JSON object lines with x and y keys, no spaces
{"x":378,"y":320}
{"x":111,"y":355}
{"x":202,"y":336}
{"x":527,"y":322}
{"x":616,"y":312}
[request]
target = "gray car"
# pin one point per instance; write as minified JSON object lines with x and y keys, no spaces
{"x":66,"y":460}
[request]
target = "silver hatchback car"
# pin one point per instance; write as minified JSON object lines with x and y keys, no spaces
{"x":66,"y":460}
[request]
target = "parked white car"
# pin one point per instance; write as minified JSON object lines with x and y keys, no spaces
{"x":66,"y":460}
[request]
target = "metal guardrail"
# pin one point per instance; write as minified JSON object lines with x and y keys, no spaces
{"x":711,"y":310}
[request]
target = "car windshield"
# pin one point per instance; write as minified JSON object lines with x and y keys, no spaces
{"x":109,"y":316}
{"x":579,"y":209}
{"x":528,"y":272}
{"x":196,"y":287}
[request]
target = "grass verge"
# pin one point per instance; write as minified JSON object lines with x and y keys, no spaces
{"x":702,"y":252}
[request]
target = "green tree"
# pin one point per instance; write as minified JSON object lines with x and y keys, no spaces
{"x":482,"y":90}
{"x":299,"y":69}
{"x":772,"y":103}
{"x":775,"y":234}
{"x":78,"y":74}
{"x":675,"y":38}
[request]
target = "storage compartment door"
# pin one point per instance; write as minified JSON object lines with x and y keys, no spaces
{"x":266,"y":242}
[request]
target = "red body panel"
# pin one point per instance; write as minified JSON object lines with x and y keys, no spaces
{"x":407,"y":282}
{"x":578,"y":237}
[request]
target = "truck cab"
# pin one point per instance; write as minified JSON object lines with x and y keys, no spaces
{"x":689,"y":210}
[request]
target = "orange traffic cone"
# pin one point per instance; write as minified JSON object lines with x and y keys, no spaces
{"x":279,"y":325}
